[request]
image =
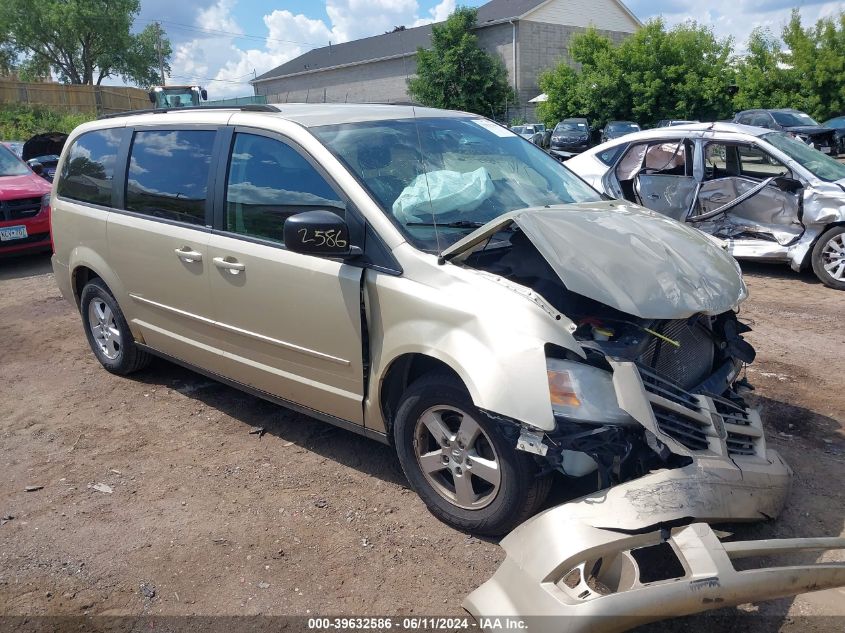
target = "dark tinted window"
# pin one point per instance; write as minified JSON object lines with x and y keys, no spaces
{"x":168,"y":174}
{"x":88,"y":171}
{"x":268,"y":182}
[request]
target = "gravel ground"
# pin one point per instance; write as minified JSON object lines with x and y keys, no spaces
{"x":156,"y":499}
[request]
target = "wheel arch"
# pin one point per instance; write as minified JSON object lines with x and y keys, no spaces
{"x":807,"y":260}
{"x":404,"y":370}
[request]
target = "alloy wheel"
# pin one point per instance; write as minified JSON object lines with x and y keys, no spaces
{"x":104,"y":328}
{"x":457,"y":457}
{"x":833,"y":257}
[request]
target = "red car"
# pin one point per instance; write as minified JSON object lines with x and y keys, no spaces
{"x":24,"y":207}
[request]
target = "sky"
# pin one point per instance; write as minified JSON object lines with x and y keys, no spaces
{"x":222,"y":44}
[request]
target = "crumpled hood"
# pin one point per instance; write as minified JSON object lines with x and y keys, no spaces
{"x":626,"y":257}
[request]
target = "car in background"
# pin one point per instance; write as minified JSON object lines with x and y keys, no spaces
{"x":673,"y":122}
{"x":615,"y":129}
{"x":838,"y":124}
{"x":24,"y":206}
{"x":794,"y":122}
{"x":531,"y":132}
{"x":570,"y":137}
{"x":42,"y":151}
{"x":770,"y":196}
{"x":15,"y":146}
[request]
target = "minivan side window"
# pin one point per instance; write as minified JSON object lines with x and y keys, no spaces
{"x":269,"y":181}
{"x":88,"y":171}
{"x":168,"y":174}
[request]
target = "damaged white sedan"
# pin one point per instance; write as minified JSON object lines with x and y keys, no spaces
{"x":769,"y":195}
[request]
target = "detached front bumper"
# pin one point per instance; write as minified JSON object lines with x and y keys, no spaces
{"x":573,"y":578}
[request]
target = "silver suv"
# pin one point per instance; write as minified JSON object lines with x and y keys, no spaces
{"x":426,"y":279}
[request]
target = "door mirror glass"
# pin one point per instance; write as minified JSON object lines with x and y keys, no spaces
{"x":319,"y":232}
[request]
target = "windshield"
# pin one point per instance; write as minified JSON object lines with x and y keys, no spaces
{"x":11,"y":165}
{"x":793,"y":119}
{"x":569,"y":126}
{"x":820,"y":165}
{"x":438,"y":179}
{"x":623,"y":128}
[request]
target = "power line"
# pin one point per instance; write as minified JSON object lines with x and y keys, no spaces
{"x":199,"y":29}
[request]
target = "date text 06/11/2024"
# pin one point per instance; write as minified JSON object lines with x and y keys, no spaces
{"x":417,"y":623}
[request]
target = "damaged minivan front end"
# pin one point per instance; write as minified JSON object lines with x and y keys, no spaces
{"x":648,"y":397}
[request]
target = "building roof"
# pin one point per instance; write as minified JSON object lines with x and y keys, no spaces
{"x":394,"y":44}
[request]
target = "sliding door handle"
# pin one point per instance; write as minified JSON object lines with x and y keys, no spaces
{"x":229,"y":263}
{"x":187,"y":254}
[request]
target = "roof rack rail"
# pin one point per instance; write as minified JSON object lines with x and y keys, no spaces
{"x":249,"y":107}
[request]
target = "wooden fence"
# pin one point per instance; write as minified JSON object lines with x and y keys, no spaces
{"x":75,"y":98}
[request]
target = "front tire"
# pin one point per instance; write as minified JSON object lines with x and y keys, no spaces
{"x":460,"y":464}
{"x":828,"y":258}
{"x":108,"y":332}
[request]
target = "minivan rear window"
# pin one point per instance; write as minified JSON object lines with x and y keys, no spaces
{"x":168,"y":174}
{"x":88,"y":171}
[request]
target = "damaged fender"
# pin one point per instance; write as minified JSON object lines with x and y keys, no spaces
{"x":570,"y":577}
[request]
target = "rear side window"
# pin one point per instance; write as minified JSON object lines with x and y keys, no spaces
{"x":168,"y":174}
{"x":88,"y":171}
{"x":268,"y":182}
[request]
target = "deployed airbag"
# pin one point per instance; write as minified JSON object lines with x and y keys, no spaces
{"x":444,"y":191}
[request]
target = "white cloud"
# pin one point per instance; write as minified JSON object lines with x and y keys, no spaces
{"x":218,"y":61}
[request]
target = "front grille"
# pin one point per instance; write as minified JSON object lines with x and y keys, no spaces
{"x":685,"y":430}
{"x":696,"y":423}
{"x":688,"y":363}
{"x":665,"y":388}
{"x":20,"y":208}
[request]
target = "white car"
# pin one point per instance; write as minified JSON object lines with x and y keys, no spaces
{"x":767,"y":194}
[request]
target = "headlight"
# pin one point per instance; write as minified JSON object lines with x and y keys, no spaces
{"x":583,"y":393}
{"x":45,"y":201}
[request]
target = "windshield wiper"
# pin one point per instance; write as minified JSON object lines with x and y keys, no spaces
{"x":455,"y":224}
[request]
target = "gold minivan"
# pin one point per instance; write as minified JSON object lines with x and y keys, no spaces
{"x":425,"y":278}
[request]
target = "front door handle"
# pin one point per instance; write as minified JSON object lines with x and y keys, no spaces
{"x":187,"y":254}
{"x":230,"y":264}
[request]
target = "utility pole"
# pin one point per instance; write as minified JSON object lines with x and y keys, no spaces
{"x":158,"y":48}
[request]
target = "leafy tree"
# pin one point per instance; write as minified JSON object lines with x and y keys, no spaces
{"x":456,"y":73}
{"x":816,"y":59}
{"x":82,"y":41}
{"x":656,"y":73}
{"x":762,"y":80}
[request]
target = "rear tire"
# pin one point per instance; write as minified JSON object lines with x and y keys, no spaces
{"x":828,"y":258}
{"x":108,"y":332}
{"x":460,"y":464}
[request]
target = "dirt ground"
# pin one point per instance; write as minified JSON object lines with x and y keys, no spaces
{"x":202,"y":517}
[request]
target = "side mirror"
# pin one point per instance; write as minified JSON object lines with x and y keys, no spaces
{"x":319,"y":232}
{"x":152,"y":96}
{"x":35,"y":166}
{"x":204,"y":94}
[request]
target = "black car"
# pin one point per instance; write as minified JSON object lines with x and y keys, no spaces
{"x":615,"y":129}
{"x":570,"y":137}
{"x":838,"y":124}
{"x":791,"y":121}
{"x":42,"y":151}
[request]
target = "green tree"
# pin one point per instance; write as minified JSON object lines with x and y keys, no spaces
{"x":83,"y":41}
{"x":815,"y":57}
{"x":684,"y":72}
{"x":762,"y":79}
{"x":456,"y":73}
